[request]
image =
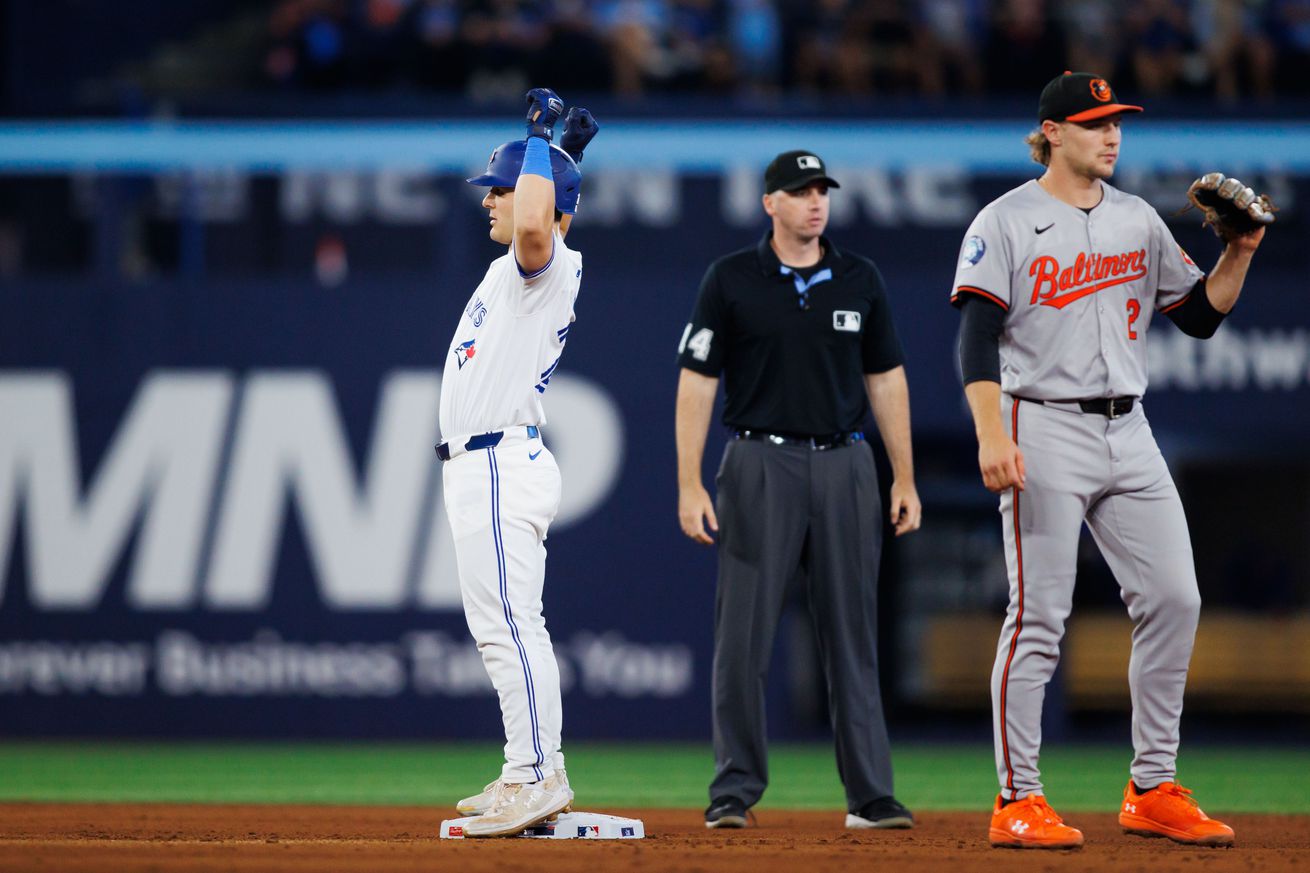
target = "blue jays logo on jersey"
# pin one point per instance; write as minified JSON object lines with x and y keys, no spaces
{"x":477,"y":311}
{"x":464,"y":352}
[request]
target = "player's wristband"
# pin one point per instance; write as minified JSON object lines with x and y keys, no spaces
{"x":536,"y":159}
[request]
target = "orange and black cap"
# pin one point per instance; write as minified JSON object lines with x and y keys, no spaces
{"x":1079,"y":97}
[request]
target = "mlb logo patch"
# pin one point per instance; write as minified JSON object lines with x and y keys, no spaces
{"x":456,"y":831}
{"x":809,"y":162}
{"x":626,"y":832}
{"x":464,"y":352}
{"x":844,"y":319}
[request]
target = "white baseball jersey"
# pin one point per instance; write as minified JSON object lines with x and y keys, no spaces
{"x":1079,"y":289}
{"x":507,"y":344}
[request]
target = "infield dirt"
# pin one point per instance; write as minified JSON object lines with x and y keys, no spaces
{"x":95,"y":838}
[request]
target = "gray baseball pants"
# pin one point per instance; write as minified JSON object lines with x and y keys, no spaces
{"x":1110,"y":474}
{"x":787,"y":512}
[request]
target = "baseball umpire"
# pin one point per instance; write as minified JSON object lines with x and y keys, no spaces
{"x":803,"y":335}
{"x":1057,"y":282}
{"x":501,"y":484}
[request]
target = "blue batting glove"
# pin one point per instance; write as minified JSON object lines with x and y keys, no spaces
{"x":544,"y":109}
{"x":579,"y":128}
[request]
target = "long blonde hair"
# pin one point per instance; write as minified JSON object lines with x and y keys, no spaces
{"x":1039,"y":147}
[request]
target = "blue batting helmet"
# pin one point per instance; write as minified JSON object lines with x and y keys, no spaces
{"x":507,"y":160}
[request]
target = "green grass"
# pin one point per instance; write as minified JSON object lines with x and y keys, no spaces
{"x":802,"y":777}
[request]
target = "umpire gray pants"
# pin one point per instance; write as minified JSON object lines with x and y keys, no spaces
{"x":787,"y":512}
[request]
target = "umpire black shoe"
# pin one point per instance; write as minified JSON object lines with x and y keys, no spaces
{"x":885,"y":812}
{"x":725,"y":812}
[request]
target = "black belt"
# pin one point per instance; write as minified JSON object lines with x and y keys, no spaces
{"x":1110,"y":407}
{"x":814,"y":443}
{"x":481,"y":441}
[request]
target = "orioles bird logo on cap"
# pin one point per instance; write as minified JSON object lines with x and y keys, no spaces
{"x":1100,"y":89}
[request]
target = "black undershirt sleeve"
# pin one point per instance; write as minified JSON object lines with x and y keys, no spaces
{"x":981,"y":323}
{"x":1196,"y":315}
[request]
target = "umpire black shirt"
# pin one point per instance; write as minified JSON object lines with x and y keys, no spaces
{"x":793,"y":345}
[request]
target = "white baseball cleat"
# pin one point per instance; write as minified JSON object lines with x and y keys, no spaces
{"x":480,"y":803}
{"x":521,"y":805}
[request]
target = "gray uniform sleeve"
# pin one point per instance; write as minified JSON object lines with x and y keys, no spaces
{"x":1178,"y":272}
{"x":983,"y":269}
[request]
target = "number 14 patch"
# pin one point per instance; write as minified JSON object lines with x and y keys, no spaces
{"x":844,"y":319}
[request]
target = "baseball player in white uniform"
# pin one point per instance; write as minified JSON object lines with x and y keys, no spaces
{"x":1057,"y":282}
{"x":501,"y":484}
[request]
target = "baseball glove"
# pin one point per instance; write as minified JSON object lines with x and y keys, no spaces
{"x":1231,"y":208}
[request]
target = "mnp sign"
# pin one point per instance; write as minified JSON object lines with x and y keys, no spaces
{"x":378,"y":541}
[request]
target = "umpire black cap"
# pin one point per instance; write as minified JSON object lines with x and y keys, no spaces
{"x":791,"y":171}
{"x":1079,"y":97}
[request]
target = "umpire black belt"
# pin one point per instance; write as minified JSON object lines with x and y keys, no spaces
{"x":456,"y":447}
{"x":1110,"y":407}
{"x":814,"y":443}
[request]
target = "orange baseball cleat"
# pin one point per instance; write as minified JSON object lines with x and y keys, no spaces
{"x":1168,"y":810}
{"x":1029,"y":823}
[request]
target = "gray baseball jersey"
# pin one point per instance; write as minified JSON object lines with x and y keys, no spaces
{"x":1079,"y":289}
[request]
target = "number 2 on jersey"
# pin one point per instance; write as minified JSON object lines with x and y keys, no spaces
{"x":1134,"y":309}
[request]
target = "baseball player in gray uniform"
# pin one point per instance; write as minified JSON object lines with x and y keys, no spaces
{"x":1057,"y":282}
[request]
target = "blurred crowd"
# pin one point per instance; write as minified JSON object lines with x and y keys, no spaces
{"x":488,"y":49}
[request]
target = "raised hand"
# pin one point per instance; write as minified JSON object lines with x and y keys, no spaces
{"x":544,"y":109}
{"x":579,"y":128}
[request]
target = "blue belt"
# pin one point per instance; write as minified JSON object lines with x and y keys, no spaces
{"x":482,"y":441}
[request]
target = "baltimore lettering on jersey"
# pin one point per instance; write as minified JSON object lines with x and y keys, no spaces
{"x":1074,"y":282}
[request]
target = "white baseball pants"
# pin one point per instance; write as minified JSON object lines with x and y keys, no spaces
{"x":500,"y":502}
